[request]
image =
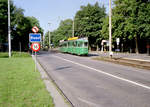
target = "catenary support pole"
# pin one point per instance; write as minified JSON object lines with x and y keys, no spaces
{"x":9,"y":32}
{"x":110,"y":36}
{"x":49,"y":37}
{"x":73,"y":28}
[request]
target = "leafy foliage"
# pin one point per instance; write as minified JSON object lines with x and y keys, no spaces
{"x":130,"y":21}
{"x":20,"y":25}
{"x":63,"y":32}
{"x":4,"y":19}
{"x":88,"y":22}
{"x":23,"y":28}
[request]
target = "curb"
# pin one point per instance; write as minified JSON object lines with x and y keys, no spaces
{"x":137,"y":59}
{"x":142,"y":64}
{"x":58,"y":99}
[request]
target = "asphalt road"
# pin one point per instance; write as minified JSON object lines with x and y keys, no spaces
{"x":91,"y":83}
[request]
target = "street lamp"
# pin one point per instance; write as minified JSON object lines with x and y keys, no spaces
{"x":110,"y":36}
{"x":73,"y":28}
{"x":49,"y":36}
{"x":43,"y":40}
{"x":9,"y":37}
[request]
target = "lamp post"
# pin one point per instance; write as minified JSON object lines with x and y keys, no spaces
{"x":110,"y":36}
{"x":43,"y":40}
{"x":49,"y":37}
{"x":9,"y":36}
{"x":73,"y":28}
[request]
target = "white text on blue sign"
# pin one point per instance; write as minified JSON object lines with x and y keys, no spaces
{"x":35,"y":37}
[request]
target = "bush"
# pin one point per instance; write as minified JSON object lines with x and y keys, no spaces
{"x":14,"y":54}
{"x":3,"y":55}
{"x":20,"y":54}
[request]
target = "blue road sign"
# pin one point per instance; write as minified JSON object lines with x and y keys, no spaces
{"x":35,"y":37}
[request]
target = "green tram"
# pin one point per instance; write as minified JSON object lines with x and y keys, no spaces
{"x":75,"y":46}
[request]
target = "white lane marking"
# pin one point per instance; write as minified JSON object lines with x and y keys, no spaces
{"x":120,"y":78}
{"x":88,"y":102}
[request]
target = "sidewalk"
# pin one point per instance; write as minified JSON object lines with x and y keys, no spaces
{"x":58,"y":99}
{"x":131,"y":56}
{"x":128,"y":59}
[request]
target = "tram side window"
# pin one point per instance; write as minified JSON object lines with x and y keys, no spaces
{"x":63,"y":45}
{"x":80,"y":44}
{"x":70,"y":44}
{"x":74,"y":44}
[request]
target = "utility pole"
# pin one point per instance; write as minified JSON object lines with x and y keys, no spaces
{"x":43,"y":40}
{"x":9,"y":36}
{"x":110,"y":42}
{"x":49,"y":37}
{"x":73,"y":27}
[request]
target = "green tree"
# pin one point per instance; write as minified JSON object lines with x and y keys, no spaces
{"x":105,"y":28}
{"x":22,"y":30}
{"x":20,"y":25}
{"x":88,"y":23}
{"x":46,"y":39}
{"x":131,"y":20}
{"x":63,"y":32}
{"x":4,"y":19}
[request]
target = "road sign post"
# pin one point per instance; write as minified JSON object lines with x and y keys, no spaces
{"x":35,"y":47}
{"x":35,"y":38}
{"x":35,"y":61}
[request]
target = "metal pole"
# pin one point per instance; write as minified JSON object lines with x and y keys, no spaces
{"x":73,"y":28}
{"x":9,"y":36}
{"x":49,"y":37}
{"x":43,"y":40}
{"x":20,"y":46}
{"x":35,"y":61}
{"x":110,"y":42}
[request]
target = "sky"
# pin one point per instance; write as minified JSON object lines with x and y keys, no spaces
{"x":53,"y":11}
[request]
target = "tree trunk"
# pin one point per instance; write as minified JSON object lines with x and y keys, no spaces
{"x":136,"y":44}
{"x":89,"y":47}
{"x":97,"y":48}
{"x":20,"y":47}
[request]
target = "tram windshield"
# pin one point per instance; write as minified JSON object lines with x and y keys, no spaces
{"x":85,"y":44}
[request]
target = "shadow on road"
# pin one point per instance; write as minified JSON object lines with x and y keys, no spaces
{"x":62,"y":68}
{"x":89,"y":55}
{"x":44,"y":52}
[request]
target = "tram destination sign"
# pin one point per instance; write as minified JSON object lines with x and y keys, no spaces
{"x":35,"y":37}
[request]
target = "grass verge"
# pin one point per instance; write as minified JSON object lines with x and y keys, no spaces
{"x":20,"y":86}
{"x":14,"y":54}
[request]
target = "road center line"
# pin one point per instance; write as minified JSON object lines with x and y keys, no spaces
{"x":117,"y":77}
